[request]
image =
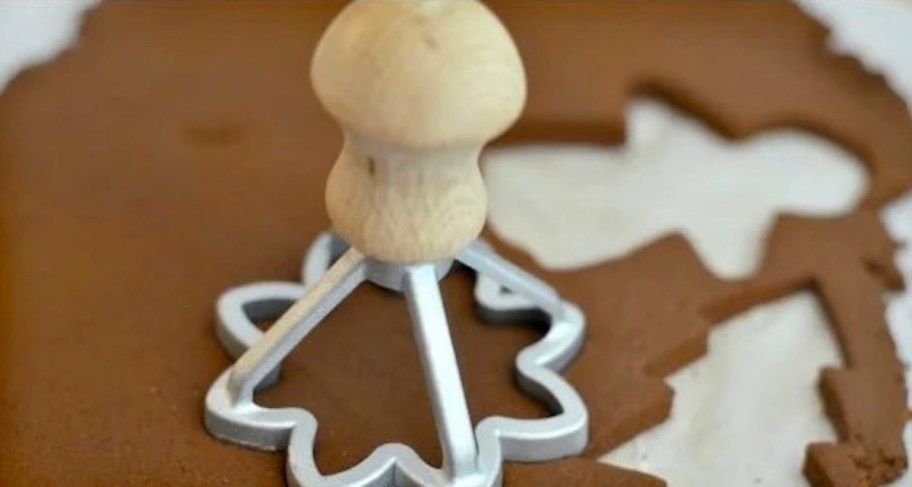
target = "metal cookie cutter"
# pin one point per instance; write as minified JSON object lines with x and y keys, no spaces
{"x":418,"y":87}
{"x":330,"y":273}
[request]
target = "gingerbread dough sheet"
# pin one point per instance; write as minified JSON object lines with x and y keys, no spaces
{"x":159,"y":162}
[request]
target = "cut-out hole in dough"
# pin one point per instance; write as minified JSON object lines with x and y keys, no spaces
{"x":879,"y":34}
{"x":572,"y":206}
{"x":744,"y":414}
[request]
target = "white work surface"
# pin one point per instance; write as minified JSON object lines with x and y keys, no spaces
{"x":741,"y":416}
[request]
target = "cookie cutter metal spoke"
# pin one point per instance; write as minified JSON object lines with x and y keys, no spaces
{"x":471,"y":458}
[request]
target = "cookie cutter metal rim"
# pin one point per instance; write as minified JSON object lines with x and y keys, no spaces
{"x":498,"y":438}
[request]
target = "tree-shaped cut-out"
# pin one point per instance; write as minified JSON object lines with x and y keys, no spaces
{"x":754,"y":391}
{"x":673,"y":175}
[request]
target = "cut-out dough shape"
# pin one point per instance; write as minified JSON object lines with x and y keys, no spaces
{"x":755,"y":391}
{"x":673,"y":175}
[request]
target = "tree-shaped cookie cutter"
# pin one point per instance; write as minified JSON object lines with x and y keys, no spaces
{"x":418,"y":86}
{"x":503,"y":292}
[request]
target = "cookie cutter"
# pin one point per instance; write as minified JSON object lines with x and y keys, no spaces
{"x":330,"y":272}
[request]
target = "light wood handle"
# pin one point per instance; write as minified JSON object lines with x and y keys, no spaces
{"x":418,"y":86}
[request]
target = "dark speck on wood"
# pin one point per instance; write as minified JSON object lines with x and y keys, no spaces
{"x":430,"y":42}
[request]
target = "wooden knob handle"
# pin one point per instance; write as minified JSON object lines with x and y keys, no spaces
{"x":419,"y":86}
